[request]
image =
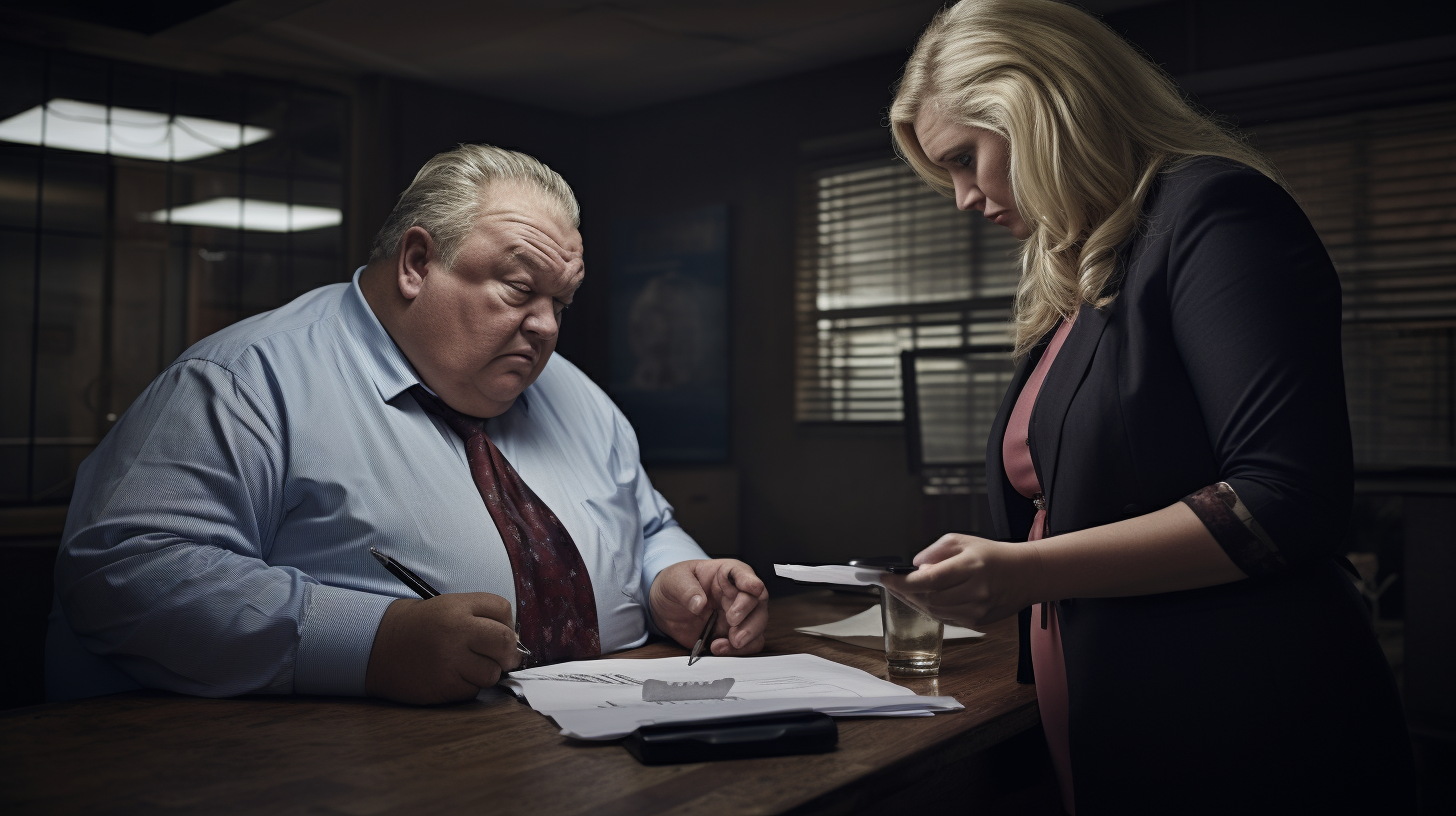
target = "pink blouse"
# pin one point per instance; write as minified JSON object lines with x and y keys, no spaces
{"x":1046,"y":643}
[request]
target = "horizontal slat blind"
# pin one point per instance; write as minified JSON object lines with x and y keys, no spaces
{"x":885,"y":264}
{"x":1380,"y":188}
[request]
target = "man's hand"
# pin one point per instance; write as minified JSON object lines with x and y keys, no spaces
{"x":441,"y":650}
{"x":970,"y":581}
{"x":686,"y":593}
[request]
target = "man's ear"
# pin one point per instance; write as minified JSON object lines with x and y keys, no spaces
{"x":416,"y":254}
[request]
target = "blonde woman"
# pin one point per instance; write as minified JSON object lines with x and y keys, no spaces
{"x":1175,"y":446}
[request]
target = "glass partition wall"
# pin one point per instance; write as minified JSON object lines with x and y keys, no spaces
{"x":141,"y":210}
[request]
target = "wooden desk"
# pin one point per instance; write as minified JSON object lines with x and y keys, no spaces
{"x":156,"y":752}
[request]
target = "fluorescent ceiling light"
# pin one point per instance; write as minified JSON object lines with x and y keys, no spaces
{"x":249,"y":214}
{"x":137,"y":134}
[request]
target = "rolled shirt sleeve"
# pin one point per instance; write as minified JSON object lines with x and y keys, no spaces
{"x":664,"y":541}
{"x":163,"y":566}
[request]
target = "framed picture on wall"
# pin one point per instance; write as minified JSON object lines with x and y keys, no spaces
{"x":669,"y":333}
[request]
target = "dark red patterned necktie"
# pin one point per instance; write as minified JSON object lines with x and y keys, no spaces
{"x":555,"y":607}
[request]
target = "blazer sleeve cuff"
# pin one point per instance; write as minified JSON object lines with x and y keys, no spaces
{"x":1235,"y":529}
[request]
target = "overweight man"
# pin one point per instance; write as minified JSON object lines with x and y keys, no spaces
{"x":219,"y":539}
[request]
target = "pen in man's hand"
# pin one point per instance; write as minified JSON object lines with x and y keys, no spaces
{"x":422,"y":588}
{"x":703,"y":638}
{"x":405,"y":575}
{"x":707,"y":636}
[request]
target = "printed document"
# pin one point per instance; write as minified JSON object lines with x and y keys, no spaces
{"x":602,"y":699}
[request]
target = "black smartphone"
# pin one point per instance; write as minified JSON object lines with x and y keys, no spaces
{"x":878,"y":564}
{"x":800,"y":732}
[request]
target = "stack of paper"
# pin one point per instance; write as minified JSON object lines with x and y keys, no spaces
{"x":602,"y":699}
{"x":867,"y":629}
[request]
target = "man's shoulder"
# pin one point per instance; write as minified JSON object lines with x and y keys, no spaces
{"x":230,"y":345}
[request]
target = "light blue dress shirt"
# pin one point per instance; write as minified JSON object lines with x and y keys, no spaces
{"x":218,"y":540}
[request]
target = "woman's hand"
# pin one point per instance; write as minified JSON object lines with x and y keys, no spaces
{"x":971,"y":581}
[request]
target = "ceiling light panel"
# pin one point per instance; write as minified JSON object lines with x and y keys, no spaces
{"x":249,"y":214}
{"x":71,"y":125}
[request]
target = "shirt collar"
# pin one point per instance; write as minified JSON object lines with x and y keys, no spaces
{"x":385,"y":363}
{"x":387,"y":366}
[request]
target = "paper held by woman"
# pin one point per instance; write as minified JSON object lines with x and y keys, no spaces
{"x":843,"y":574}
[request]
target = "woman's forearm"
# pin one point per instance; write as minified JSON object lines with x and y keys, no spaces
{"x":969,"y":580}
{"x":1163,"y":551}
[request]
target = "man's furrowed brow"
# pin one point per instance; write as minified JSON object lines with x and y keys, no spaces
{"x":530,"y":256}
{"x":540,"y":255}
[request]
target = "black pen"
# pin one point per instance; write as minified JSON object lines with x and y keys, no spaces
{"x":423,"y":589}
{"x":703,"y":638}
{"x":416,"y":584}
{"x":707,"y":636}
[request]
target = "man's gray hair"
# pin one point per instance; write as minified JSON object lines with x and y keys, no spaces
{"x":446,"y":195}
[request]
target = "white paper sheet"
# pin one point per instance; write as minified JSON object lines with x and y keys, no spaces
{"x":602,"y":699}
{"x":867,"y":629}
{"x":829,"y":574}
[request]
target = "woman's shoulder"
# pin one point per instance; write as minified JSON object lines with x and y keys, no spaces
{"x":1200,"y":181}
{"x":1208,"y":208}
{"x":1203,"y":191}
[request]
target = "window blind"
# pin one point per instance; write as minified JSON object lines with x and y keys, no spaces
{"x":887,"y":265}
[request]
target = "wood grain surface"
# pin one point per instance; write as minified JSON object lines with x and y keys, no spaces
{"x":154,"y":752}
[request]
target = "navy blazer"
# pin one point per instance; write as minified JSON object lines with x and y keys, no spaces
{"x":1218,"y":361}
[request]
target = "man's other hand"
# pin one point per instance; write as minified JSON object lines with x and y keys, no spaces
{"x":441,"y":650}
{"x":686,"y":593}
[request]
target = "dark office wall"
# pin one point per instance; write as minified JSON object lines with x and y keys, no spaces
{"x":807,"y":493}
{"x":398,"y":125}
{"x":1189,"y":36}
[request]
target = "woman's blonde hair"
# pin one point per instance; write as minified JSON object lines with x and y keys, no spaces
{"x":1090,"y":123}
